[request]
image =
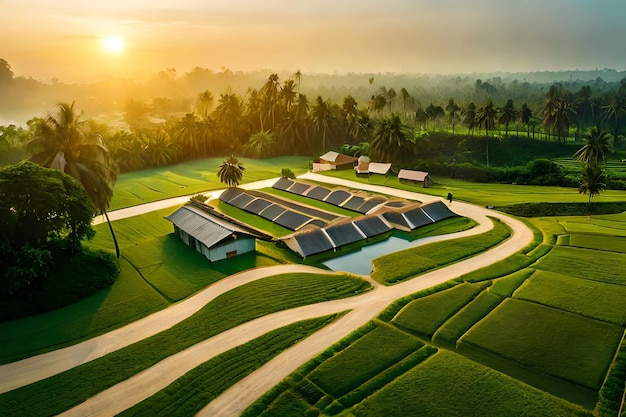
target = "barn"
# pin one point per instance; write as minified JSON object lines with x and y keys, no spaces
{"x":210,"y":235}
{"x":332,"y":161}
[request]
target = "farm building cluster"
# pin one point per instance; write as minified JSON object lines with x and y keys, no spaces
{"x":315,"y":231}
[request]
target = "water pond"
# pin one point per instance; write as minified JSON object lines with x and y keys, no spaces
{"x":360,"y":262}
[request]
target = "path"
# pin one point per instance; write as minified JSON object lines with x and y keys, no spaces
{"x":236,"y":399}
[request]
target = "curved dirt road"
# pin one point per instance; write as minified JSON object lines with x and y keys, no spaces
{"x":233,"y":401}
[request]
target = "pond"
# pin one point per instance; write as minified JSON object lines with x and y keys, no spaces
{"x":360,"y":262}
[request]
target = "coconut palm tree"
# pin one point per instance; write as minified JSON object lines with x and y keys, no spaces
{"x":322,"y":117}
{"x":389,"y":139}
{"x":526,"y":114}
{"x":204,"y":103}
{"x":592,"y":181}
{"x":452,"y":109}
{"x":486,"y":117}
{"x":261,"y":144}
{"x":63,"y":142}
{"x":596,"y":147}
{"x":615,"y":110}
{"x":508,"y":114}
{"x":187,"y":135}
{"x":230,"y":171}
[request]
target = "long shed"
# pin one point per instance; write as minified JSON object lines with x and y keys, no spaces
{"x":209,"y":235}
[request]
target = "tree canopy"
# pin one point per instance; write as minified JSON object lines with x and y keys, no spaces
{"x":40,"y":208}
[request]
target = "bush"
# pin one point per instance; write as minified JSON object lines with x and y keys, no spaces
{"x":72,"y":278}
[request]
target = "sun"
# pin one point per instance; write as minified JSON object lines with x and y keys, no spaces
{"x":113,"y":44}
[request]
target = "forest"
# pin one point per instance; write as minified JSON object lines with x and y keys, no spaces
{"x":446,"y":122}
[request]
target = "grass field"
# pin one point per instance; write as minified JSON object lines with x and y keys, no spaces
{"x":256,"y":299}
{"x":561,"y":318}
{"x":193,"y":177}
{"x":402,"y":265}
{"x":447,"y":384}
{"x":190,"y":393}
{"x":424,"y":316}
{"x":601,"y":301}
{"x":486,"y":194}
{"x":547,"y":340}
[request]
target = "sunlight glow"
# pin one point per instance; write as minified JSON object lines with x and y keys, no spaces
{"x":113,"y":44}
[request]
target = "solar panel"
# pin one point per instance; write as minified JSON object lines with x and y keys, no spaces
{"x":283,"y":184}
{"x":318,"y":223}
{"x":337,"y":197}
{"x":241,"y":200}
{"x":395,"y":204}
{"x":299,"y":188}
{"x":438,"y":210}
{"x":313,"y":242}
{"x":342,"y":234}
{"x":230,"y":193}
{"x":257,"y":205}
{"x":272,"y":211}
{"x":417,"y":217}
{"x":292,"y":220}
{"x":354,"y":203}
{"x":318,"y":193}
{"x":369,"y":204}
{"x":395,"y":217}
{"x":372,"y":226}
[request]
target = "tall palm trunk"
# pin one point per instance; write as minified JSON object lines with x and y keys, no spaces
{"x":117,"y":248}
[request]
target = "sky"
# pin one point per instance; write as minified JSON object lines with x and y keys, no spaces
{"x":66,"y":39}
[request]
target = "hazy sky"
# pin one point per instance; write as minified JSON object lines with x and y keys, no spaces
{"x":64,"y":38}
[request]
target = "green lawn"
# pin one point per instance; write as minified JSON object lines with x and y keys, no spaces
{"x":193,"y":177}
{"x":129,"y":299}
{"x":486,"y":194}
{"x":190,"y":393}
{"x":598,"y":300}
{"x":447,"y":384}
{"x":586,"y":263}
{"x":256,"y":299}
{"x":424,"y":316}
{"x":363,"y":359}
{"x":405,"y":264}
{"x":547,"y":340}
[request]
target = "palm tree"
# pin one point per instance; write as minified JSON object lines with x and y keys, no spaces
{"x":615,"y":110}
{"x":160,"y":150}
{"x":270,"y":93}
{"x":64,"y":143}
{"x":230,"y":171}
{"x":452,"y":109}
{"x":486,"y":116}
{"x":322,"y":118}
{"x":261,"y":144}
{"x":389,"y":139}
{"x":187,"y":134}
{"x":526,"y":114}
{"x":298,"y":77}
{"x":592,"y":181}
{"x":204,"y":103}
{"x":593,"y":153}
{"x":556,"y":113}
{"x":508,"y":114}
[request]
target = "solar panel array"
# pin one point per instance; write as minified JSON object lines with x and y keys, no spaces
{"x":271,"y":211}
{"x":345,"y":233}
{"x":372,"y":226}
{"x":437,"y":210}
{"x":340,"y":198}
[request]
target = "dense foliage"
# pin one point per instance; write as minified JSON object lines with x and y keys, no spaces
{"x":44,"y":215}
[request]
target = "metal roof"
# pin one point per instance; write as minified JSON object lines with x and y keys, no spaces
{"x":202,"y":226}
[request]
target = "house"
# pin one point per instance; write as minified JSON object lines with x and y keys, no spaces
{"x":211,"y":235}
{"x":332,"y":160}
{"x":416,"y":176}
{"x":365,"y":167}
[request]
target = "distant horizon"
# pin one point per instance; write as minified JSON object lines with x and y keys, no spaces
{"x":180,"y":74}
{"x":81,"y":42}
